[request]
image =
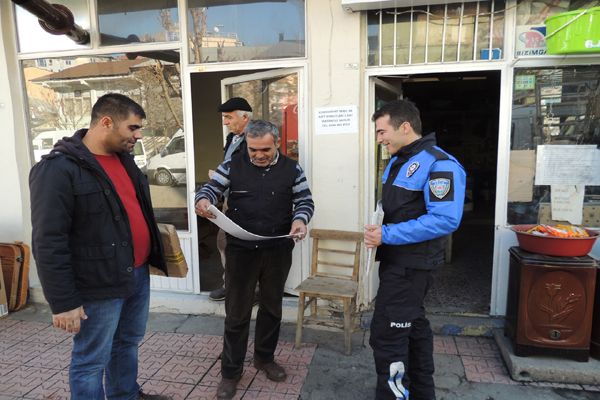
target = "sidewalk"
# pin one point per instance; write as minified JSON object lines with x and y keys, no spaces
{"x":179,"y":356}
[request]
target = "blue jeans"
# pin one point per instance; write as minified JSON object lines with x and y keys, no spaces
{"x":108,"y":343}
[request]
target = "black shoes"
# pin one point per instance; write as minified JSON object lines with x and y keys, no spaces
{"x":145,"y":396}
{"x":227,"y":388}
{"x":217,"y":294}
{"x":274,"y":371}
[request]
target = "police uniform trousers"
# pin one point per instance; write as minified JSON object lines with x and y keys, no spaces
{"x":400,"y":333}
{"x":245,"y":268}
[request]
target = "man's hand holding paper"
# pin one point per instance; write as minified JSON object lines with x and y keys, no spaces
{"x":298,"y":231}
{"x":203,"y":209}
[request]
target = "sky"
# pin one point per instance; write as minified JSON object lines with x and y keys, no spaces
{"x":255,"y":23}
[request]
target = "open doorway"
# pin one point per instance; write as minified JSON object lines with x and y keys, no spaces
{"x":463,"y":110}
{"x":273,"y":96}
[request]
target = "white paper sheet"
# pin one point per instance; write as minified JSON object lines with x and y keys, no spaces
{"x":342,"y":119}
{"x":567,"y":164}
{"x":567,"y":203}
{"x":376,"y":219}
{"x":223,"y":222}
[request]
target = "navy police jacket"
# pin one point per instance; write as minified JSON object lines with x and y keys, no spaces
{"x":423,"y":196}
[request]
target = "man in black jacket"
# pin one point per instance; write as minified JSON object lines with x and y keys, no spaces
{"x":268,"y":196}
{"x":94,"y":234}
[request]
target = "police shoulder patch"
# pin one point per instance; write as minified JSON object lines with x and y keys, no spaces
{"x":441,"y":186}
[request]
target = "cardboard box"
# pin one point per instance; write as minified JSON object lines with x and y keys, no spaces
{"x":176,"y":264}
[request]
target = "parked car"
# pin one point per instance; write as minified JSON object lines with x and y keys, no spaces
{"x":168,"y":168}
{"x":44,"y":142}
{"x":140,"y":156}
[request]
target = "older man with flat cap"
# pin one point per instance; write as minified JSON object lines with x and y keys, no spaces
{"x":236,"y":113}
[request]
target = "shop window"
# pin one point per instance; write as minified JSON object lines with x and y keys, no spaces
{"x":124,"y":22}
{"x":33,"y":38}
{"x":60,"y":102}
{"x":373,"y":37}
{"x":535,"y":12}
{"x":531,"y":29}
{"x":436,"y":33}
{"x":245,"y":30}
{"x":555,"y":135}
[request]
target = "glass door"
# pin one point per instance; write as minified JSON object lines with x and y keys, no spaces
{"x":384,"y":92}
{"x":274,"y":96}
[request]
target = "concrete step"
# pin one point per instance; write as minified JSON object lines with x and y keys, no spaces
{"x":546,"y":368}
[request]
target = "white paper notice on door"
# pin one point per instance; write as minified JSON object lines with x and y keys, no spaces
{"x":567,"y":164}
{"x":223,"y":222}
{"x":567,"y":203}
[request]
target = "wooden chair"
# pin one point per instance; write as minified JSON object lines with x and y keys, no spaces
{"x":333,"y":277}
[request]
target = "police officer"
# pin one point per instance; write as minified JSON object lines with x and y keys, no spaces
{"x":423,"y":195}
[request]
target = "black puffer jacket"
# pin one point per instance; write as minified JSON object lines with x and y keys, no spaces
{"x":82,"y":241}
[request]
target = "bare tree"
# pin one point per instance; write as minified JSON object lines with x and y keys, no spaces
{"x":59,"y":112}
{"x":161,"y":85}
{"x":198,"y":31}
{"x":73,"y":111}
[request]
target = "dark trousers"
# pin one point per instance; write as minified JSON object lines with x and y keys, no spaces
{"x":401,"y":336}
{"x":245,"y":268}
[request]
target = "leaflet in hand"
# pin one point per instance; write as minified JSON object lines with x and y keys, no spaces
{"x":223,"y":222}
{"x":376,"y":219}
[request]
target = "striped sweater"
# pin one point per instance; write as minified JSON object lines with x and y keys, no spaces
{"x":303,"y":205}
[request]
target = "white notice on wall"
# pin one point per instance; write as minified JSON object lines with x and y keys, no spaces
{"x":567,"y":164}
{"x":567,"y":203}
{"x":342,"y":119}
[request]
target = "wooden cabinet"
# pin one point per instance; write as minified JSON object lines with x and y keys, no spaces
{"x":550,"y":304}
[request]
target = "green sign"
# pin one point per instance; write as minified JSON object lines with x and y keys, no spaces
{"x":524,"y":82}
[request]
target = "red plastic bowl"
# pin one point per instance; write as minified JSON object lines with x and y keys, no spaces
{"x":554,"y":246}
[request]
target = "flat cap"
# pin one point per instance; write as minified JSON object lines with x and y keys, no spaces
{"x":234,"y":104}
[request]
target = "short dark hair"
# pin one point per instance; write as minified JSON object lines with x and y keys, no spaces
{"x":116,"y":106}
{"x":400,"y":111}
{"x":258,"y":128}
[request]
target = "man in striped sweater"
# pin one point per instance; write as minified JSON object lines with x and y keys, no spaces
{"x":268,"y":196}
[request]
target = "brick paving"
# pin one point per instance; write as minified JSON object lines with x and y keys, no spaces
{"x":34,"y":361}
{"x":483,"y":363}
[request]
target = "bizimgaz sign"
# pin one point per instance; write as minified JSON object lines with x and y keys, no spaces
{"x":590,"y":44}
{"x":531,"y":41}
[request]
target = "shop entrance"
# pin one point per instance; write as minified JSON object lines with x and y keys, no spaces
{"x":463,"y":110}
